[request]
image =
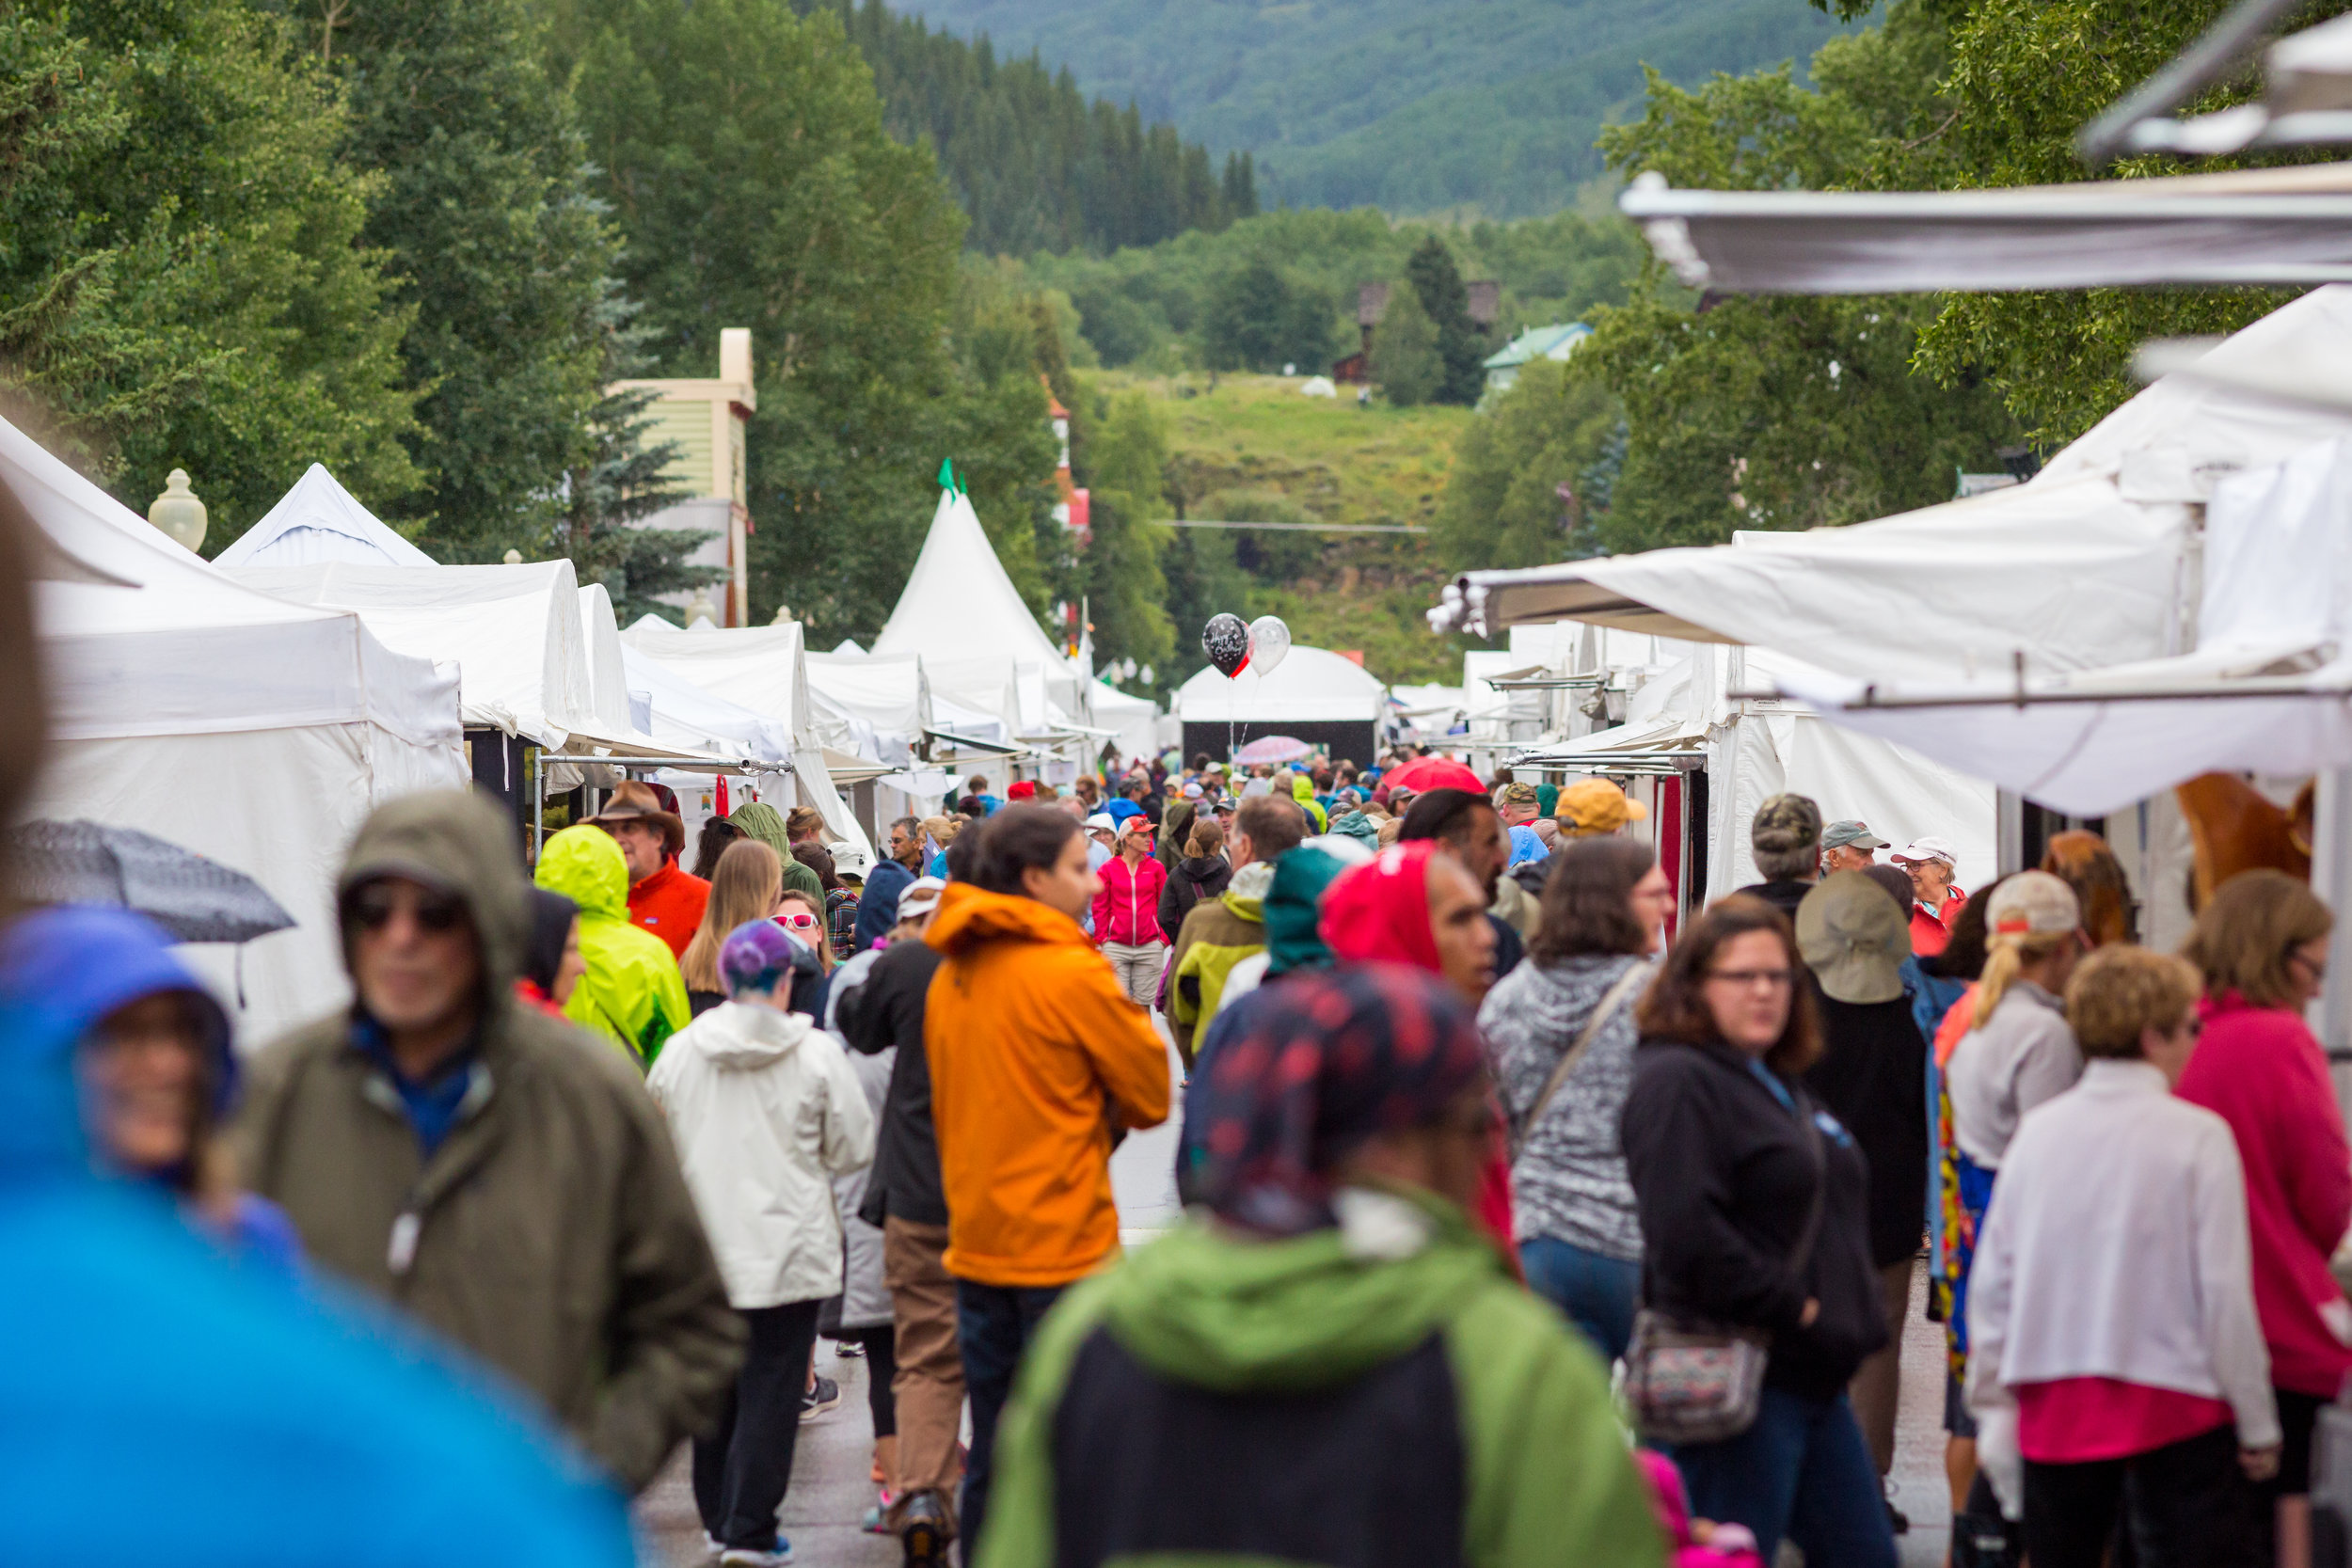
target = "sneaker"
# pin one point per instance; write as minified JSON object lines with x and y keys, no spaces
{"x":872,"y":1523}
{"x":847,"y":1350}
{"x":752,"y":1557}
{"x":923,"y":1532}
{"x":1897,"y":1520}
{"x":820,"y":1399}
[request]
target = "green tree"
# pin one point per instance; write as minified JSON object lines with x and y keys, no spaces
{"x":1127,"y":591}
{"x":1515,"y":496}
{"x":184,"y":280}
{"x":1258,"y":319}
{"x":1404,"y":352}
{"x":1461,"y":346}
{"x":483,"y":210}
{"x":1786,"y":412}
{"x":746,"y":163}
{"x":615,"y":481}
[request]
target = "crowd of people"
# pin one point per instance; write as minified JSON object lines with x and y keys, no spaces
{"x":1532,"y":1211}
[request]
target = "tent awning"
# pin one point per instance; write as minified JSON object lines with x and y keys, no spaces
{"x":2270,"y":226}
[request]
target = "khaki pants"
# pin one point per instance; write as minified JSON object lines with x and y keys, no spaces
{"x":929,"y":1388}
{"x":1877,"y":1382}
{"x":1137,"y":966}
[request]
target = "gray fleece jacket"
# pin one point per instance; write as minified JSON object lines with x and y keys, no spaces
{"x":1569,"y":1180}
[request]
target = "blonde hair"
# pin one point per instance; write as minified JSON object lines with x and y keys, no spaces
{"x":2120,"y":992}
{"x":2248,"y":929}
{"x":942,"y":830}
{"x":2005,"y":954}
{"x":802,"y":822}
{"x":743,"y":888}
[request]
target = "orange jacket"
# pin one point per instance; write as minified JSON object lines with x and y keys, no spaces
{"x":670,"y":904}
{"x":1034,"y":1050}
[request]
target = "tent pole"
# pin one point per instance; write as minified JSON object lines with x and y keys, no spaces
{"x":538,"y":804}
{"x":2331,"y":879}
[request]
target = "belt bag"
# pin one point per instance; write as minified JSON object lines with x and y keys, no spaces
{"x":1690,"y":1381}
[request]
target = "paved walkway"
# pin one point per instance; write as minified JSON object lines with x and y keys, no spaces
{"x":831,"y":1491}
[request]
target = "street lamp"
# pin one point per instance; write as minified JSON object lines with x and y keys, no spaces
{"x":177,"y":514}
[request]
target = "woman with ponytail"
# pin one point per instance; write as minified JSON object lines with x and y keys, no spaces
{"x":2017,"y":1053}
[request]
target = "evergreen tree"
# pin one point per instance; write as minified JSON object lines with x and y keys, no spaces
{"x":615,"y":481}
{"x":1127,"y":593}
{"x":184,"y":280}
{"x":1461,"y":346}
{"x":1036,"y":166}
{"x":746,"y":162}
{"x":1258,"y":319}
{"x":1517,"y":492}
{"x":1405,"y":359}
{"x":483,"y":209}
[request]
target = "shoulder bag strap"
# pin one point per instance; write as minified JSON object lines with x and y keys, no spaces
{"x":1602,"y":1013}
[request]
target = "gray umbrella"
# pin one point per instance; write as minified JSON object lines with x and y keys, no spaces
{"x":193,"y":898}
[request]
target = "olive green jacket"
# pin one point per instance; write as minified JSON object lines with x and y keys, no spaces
{"x":551,"y":1233}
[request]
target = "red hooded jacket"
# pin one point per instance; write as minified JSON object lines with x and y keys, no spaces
{"x":1379,"y":914}
{"x":1128,"y":908}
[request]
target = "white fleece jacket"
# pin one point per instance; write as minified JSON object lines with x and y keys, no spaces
{"x":2116,"y":1247}
{"x":765,"y":1111}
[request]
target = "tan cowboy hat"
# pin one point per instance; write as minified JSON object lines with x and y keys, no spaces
{"x":636,"y":801}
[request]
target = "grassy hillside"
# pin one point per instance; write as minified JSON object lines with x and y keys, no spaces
{"x":1253,"y":449}
{"x":1410,"y":106}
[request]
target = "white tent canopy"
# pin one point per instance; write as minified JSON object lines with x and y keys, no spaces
{"x":2277,"y":226}
{"x":2274,"y":617}
{"x":2090,"y":564}
{"x":688,"y":717}
{"x":1133,"y":720}
{"x":1311,"y":685}
{"x":242,"y":727}
{"x":979,"y":644}
{"x":881,"y":699}
{"x":318,"y":521}
{"x":515,"y":632}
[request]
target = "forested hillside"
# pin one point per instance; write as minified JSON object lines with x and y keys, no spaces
{"x":1036,"y":165}
{"x":1410,"y":105}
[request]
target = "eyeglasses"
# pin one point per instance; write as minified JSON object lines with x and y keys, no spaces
{"x":1751,"y":979}
{"x":372,"y":909}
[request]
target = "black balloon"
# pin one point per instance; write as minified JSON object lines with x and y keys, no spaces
{"x":1226,"y":640}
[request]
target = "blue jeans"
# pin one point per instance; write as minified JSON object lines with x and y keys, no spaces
{"x":994,"y":1323}
{"x":1597,"y":1291}
{"x":1802,"y":1471}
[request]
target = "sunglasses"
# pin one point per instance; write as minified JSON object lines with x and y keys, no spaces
{"x":800,"y":921}
{"x":372,"y":909}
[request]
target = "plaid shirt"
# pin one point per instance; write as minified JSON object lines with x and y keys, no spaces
{"x":841,"y":922}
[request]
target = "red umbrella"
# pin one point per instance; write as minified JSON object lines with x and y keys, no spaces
{"x":1426,"y":773}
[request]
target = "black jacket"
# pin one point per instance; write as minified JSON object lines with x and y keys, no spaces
{"x":887,"y":1010}
{"x":1784,"y":894}
{"x":1194,"y":880}
{"x":1873,"y":1077}
{"x":1723,"y":1176}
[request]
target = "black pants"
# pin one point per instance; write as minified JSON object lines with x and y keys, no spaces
{"x":882,"y":1368}
{"x":2185,"y":1505}
{"x":994,"y":1325}
{"x":741,"y":1469}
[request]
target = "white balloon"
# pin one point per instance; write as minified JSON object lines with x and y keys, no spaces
{"x":1269,"y":639}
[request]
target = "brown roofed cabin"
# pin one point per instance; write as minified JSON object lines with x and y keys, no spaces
{"x":1371,"y":301}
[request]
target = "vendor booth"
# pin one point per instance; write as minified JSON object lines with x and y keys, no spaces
{"x":255,"y":731}
{"x":1313,"y":694}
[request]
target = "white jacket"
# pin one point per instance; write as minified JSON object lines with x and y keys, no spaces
{"x":2116,"y":1247}
{"x":765,"y":1111}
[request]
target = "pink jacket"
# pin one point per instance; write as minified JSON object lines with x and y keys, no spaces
{"x":2260,"y":1068}
{"x":1128,"y":908}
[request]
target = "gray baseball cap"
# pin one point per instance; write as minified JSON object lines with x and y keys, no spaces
{"x":1841,"y":835}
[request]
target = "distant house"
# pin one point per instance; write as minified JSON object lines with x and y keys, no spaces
{"x":1371,"y":301}
{"x":1537,"y":342}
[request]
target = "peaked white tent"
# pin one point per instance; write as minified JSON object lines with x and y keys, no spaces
{"x":515,"y":632}
{"x":978,"y":642}
{"x":692,"y":718}
{"x":878,"y":702}
{"x":764,"y":669}
{"x":318,"y":521}
{"x":1313,"y":695}
{"x":255,"y":731}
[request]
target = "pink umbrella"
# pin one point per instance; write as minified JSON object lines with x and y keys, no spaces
{"x":1272,"y":748}
{"x":1423,"y":774}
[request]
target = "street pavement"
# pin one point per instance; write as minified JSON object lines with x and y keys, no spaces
{"x":831,"y":1491}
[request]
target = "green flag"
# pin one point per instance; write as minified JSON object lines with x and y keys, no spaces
{"x":947,"y":474}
